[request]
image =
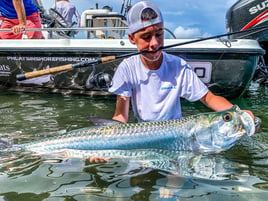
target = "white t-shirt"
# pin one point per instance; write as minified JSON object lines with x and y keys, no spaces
{"x":155,"y":94}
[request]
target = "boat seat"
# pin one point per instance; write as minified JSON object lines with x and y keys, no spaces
{"x":103,"y":18}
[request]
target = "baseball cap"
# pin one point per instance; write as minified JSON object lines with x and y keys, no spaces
{"x":134,"y":20}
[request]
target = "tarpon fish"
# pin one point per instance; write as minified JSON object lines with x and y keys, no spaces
{"x":202,"y":133}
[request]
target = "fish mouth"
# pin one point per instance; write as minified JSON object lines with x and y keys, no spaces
{"x":248,"y":123}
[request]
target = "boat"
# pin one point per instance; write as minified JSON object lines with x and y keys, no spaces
{"x":226,"y":66}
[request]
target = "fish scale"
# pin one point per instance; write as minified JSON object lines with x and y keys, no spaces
{"x":201,"y":133}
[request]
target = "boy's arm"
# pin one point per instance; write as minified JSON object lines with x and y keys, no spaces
{"x":122,"y":109}
{"x":216,"y":103}
{"x":219,"y":103}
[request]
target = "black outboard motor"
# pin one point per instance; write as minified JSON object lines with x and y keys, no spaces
{"x":246,"y":14}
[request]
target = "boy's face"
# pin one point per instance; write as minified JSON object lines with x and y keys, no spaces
{"x":150,"y":38}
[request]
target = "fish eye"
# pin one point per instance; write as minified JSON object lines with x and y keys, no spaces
{"x":227,"y":117}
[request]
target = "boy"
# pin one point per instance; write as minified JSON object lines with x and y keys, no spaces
{"x":155,"y":81}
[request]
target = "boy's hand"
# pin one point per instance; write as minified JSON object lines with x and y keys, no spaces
{"x":98,"y":159}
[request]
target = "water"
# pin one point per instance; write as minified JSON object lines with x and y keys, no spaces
{"x":239,"y":174}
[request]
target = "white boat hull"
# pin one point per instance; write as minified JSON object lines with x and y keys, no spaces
{"x":227,"y":67}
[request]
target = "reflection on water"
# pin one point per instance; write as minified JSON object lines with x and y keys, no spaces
{"x":238,"y":174}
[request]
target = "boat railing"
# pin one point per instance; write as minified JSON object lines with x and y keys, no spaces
{"x":61,"y":32}
{"x":70,"y":29}
{"x":57,"y":33}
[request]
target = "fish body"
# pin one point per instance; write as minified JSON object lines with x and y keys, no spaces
{"x":202,"y":133}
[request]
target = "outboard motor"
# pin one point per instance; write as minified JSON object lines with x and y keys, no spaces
{"x":246,"y":14}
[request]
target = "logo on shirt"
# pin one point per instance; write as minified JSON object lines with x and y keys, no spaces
{"x":168,"y":88}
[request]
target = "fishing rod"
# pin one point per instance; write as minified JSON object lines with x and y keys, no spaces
{"x":68,"y":67}
{"x":122,"y":7}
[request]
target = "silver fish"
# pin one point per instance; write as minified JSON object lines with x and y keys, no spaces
{"x":202,"y":133}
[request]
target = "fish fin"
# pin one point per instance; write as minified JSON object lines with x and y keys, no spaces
{"x":97,"y":121}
